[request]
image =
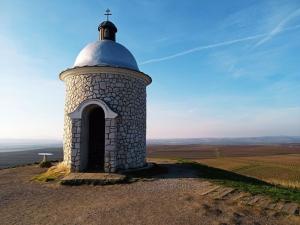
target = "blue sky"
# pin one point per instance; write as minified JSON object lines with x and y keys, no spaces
{"x":219,"y":68}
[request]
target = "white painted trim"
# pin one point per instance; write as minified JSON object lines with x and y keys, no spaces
{"x":96,"y":70}
{"x":77,"y":113}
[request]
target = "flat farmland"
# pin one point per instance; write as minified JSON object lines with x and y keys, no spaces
{"x":277,"y":164}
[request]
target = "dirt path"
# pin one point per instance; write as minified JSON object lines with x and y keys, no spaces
{"x":177,"y":197}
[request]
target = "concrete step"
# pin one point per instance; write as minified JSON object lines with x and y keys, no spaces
{"x":291,"y":208}
{"x":93,"y":178}
{"x":264,"y":202}
{"x":223,"y":193}
{"x":239,"y":195}
{"x":254,"y":200}
{"x":209,"y":189}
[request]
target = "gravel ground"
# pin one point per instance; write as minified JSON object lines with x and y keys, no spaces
{"x":172,"y":198}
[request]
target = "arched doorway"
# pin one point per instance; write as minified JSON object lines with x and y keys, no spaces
{"x":96,"y":139}
{"x":91,"y":147}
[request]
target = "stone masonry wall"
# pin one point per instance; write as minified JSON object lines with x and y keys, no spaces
{"x":125,"y":135}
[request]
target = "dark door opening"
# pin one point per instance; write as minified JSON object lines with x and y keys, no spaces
{"x":96,"y":144}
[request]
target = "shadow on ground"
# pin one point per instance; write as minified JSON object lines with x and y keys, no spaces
{"x":192,"y":170}
{"x":189,"y":169}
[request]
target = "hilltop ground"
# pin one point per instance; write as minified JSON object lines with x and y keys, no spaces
{"x":176,"y":196}
{"x":278,"y":164}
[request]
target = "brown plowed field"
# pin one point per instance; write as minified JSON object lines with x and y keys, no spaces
{"x":212,"y":151}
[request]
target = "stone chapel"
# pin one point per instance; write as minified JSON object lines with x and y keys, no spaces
{"x":105,"y":107}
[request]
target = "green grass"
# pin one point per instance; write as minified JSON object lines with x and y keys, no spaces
{"x":244,"y":183}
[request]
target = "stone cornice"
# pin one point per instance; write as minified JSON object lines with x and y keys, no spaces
{"x":104,"y":69}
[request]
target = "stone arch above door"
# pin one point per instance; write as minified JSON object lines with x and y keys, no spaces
{"x":77,"y":113}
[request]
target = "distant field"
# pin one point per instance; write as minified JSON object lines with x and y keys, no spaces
{"x":278,"y":164}
{"x":279,"y":169}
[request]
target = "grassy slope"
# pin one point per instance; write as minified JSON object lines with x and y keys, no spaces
{"x":245,"y":183}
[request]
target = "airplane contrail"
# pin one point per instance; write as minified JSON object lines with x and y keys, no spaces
{"x":279,"y":28}
{"x":220,"y":44}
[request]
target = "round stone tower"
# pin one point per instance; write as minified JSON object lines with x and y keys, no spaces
{"x":105,"y":107}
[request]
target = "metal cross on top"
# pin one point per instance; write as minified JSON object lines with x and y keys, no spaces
{"x":107,"y":14}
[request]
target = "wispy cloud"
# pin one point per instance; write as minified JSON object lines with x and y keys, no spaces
{"x":279,"y":28}
{"x":220,"y":44}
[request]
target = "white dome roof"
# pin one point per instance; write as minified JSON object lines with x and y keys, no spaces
{"x":106,"y":53}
